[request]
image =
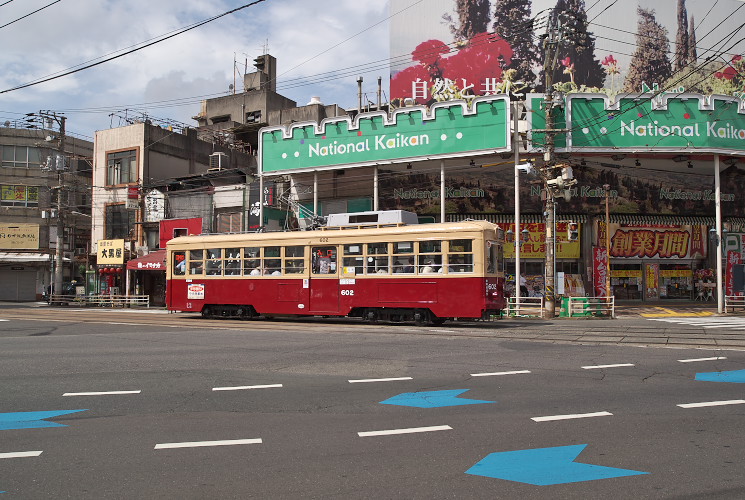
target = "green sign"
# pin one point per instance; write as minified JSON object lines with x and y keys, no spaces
{"x":668,"y":122}
{"x":446,"y":130}
{"x":536,"y":117}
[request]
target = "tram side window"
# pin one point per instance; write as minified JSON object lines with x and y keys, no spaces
{"x":196,"y":262}
{"x":494,"y":257}
{"x":460,"y":256}
{"x":430,"y":257}
{"x":272,"y":261}
{"x":378,"y":260}
{"x":294,"y":260}
{"x":324,"y":260}
{"x":252,"y":261}
{"x":179,"y":263}
{"x":232,"y":262}
{"x":354,"y":261}
{"x":403,"y":257}
{"x":214,"y":262}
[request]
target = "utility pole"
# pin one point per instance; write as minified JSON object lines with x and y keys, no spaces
{"x":59,"y":164}
{"x":551,"y":46}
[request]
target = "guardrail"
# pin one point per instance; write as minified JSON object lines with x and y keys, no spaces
{"x":582,"y":307}
{"x":733,"y":302}
{"x":526,"y":306}
{"x":100,"y":300}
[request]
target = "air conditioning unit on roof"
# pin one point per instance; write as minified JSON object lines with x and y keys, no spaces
{"x":218,"y":161}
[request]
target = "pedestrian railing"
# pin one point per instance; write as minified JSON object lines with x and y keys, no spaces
{"x":734,"y":302}
{"x":103,"y":300}
{"x":525,"y":306}
{"x":582,"y":307}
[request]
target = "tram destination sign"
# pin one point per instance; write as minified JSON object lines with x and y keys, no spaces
{"x":446,"y":130}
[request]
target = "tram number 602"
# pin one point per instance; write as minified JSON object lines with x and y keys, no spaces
{"x":347,"y":292}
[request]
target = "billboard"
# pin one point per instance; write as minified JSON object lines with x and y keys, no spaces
{"x":445,"y":49}
{"x":19,"y":236}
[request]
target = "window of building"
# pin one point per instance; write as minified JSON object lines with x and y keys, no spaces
{"x":121,"y":167}
{"x":19,"y":196}
{"x":20,"y":156}
{"x":220,"y":119}
{"x":229,"y":222}
{"x":119,"y":222}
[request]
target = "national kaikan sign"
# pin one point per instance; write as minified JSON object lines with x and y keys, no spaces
{"x":643,"y":122}
{"x":446,"y":130}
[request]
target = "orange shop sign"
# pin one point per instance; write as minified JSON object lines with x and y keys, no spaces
{"x":649,"y":242}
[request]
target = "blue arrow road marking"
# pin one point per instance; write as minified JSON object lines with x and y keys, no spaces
{"x":544,"y":466}
{"x":31,"y":419}
{"x":737,"y":376}
{"x":432,"y":399}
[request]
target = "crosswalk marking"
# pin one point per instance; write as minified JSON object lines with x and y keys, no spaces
{"x":737,"y":323}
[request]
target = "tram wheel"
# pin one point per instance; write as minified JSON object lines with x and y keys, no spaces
{"x":421,"y":317}
{"x":206,"y":312}
{"x":437,"y":321}
{"x":371,"y":316}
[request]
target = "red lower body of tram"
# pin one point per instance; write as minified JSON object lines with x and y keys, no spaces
{"x":418,"y":299}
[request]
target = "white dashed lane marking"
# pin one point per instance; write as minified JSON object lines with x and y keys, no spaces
{"x":694,"y":360}
{"x":410,"y":430}
{"x":365,"y":380}
{"x":569,"y":417}
{"x":246,"y":387}
{"x":199,"y":444}
{"x":713,"y":403}
{"x":596,"y":367}
{"x":100,"y":393}
{"x":494,"y":374}
{"x":20,"y":454}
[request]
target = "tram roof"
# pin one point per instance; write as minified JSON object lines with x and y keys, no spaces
{"x":343,"y":232}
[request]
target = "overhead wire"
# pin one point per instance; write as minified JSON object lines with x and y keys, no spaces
{"x":29,"y":14}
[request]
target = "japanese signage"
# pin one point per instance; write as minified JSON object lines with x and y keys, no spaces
{"x":658,"y":242}
{"x":110,"y":252}
{"x":669,"y":122}
{"x":19,"y":236}
{"x":445,"y":130}
{"x":652,"y":272}
{"x":733,"y":259}
{"x":22,"y":195}
{"x":155,"y":206}
{"x":535,"y":247}
{"x":195,"y":291}
{"x":599,"y":270}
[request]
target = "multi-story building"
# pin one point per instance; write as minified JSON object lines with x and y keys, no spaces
{"x":41,"y":189}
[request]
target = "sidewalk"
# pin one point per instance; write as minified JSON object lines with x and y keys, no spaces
{"x":665,"y":309}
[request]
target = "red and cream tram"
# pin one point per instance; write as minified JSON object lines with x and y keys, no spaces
{"x":424,"y":273}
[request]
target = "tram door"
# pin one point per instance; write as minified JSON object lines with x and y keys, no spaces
{"x":324,"y":280}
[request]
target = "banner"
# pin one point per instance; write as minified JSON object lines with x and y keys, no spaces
{"x":733,"y":259}
{"x":535,"y":247}
{"x":652,"y":272}
{"x":600,"y":269}
{"x":657,"y":242}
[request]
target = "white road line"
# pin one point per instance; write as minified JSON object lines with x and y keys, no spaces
{"x":410,"y":430}
{"x":713,"y":403}
{"x":4,"y":320}
{"x":516,"y":372}
{"x":606,"y":366}
{"x":105,"y":393}
{"x":198,"y":444}
{"x":701,"y":359}
{"x":568,"y":417}
{"x":392,"y":379}
{"x":244,"y":387}
{"x":20,"y":454}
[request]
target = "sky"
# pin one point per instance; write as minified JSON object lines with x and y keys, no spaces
{"x":309,"y":38}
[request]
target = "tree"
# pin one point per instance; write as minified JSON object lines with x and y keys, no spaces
{"x":578,"y":45}
{"x":473,"y":18}
{"x":513,"y":23}
{"x":681,"y":39}
{"x":692,"y":52}
{"x":650,"y":63}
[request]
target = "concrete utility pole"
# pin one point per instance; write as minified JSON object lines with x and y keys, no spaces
{"x":59,"y":164}
{"x":551,"y":46}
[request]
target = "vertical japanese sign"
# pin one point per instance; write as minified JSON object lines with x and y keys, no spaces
{"x":652,"y":280}
{"x":733,"y":258}
{"x":600,"y":270}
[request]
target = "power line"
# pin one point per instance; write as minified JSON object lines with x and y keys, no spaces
{"x":29,"y":14}
{"x":179,"y":32}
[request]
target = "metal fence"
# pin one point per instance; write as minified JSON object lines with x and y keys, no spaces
{"x":526,"y":306}
{"x":583,"y":307}
{"x":734,"y":302}
{"x":100,"y":300}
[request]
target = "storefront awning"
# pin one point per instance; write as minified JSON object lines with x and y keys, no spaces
{"x":154,"y":261}
{"x":27,"y":257}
